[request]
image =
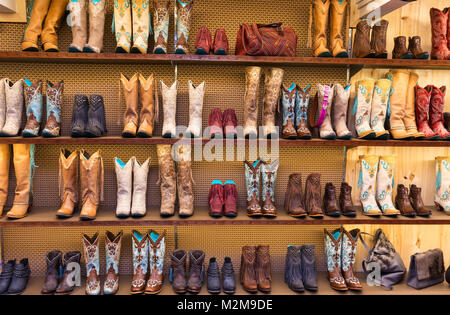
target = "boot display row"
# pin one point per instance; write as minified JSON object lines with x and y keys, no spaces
{"x":221,"y":124}
{"x":214,"y":283}
{"x":223,"y":198}
{"x":88,"y":116}
{"x":14,"y":277}
{"x":204,"y":44}
{"x":440,"y":33}
{"x":367,"y":46}
{"x":300,"y":270}
{"x":190,"y":280}
{"x":256,"y":272}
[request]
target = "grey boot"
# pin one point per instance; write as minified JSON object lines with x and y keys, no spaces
{"x":140,"y":174}
{"x":14,"y":108}
{"x":124,"y":186}
{"x":2,"y":103}
{"x":309,"y":274}
{"x":339,"y":111}
{"x":293,"y":269}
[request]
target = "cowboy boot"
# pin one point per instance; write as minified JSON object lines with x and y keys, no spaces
{"x":301,"y":108}
{"x":442,"y":196}
{"x":196,"y":96}
{"x":122,"y":25}
{"x":339,"y":111}
{"x":345,"y":201}
{"x":337,"y":17}
{"x":185,"y":181}
{"x":361,"y":41}
{"x":169,"y":97}
{"x":447,"y":11}
{"x":140,"y":262}
{"x":415,"y":47}
{"x":34,"y":102}
{"x":141,"y":25}
{"x":324,"y":99}
{"x":161,"y":25}
{"x":79,"y":116}
{"x":330,"y":205}
{"x":67,"y":284}
{"x":416,"y":201}
{"x":380,"y":101}
{"x":400,"y":79}
{"x":39,"y":9}
{"x":247,"y":270}
{"x":320,"y":13}
{"x":293,"y":201}
{"x":54,"y":102}
{"x":140,"y":174}
{"x":272,"y":92}
{"x":96,"y":125}
{"x":440,"y":48}
{"x":401,"y":51}
{"x":263,"y":268}
{"x":348,"y":256}
{"x":167,"y":179}
{"x":403,"y":203}
{"x":220,"y":42}
{"x":293,"y":269}
{"x":91,"y":176}
{"x":252,"y":79}
{"x":24,"y":168}
{"x":252,"y":180}
{"x":309,"y":274}
{"x":183,"y":25}
{"x":5,"y":160}
{"x":215,"y":199}
{"x":203,"y":41}
{"x":362,"y":108}
{"x":378,"y":40}
{"x":230,"y":199}
{"x":178,"y":271}
{"x":124,"y":174}
{"x":196,"y":271}
{"x":14,"y":108}
{"x":92,"y":259}
{"x":410,"y":118}
{"x":148,"y":95}
{"x":215,"y":123}
{"x":437,"y":111}
{"x":269,"y":177}
{"x":3,"y":83}
{"x":54,"y":264}
{"x":78,"y":24}
{"x":130,"y":91}
{"x":288,"y":99}
{"x":49,"y":36}
{"x":313,"y":200}
{"x":422,"y":104}
{"x":333,"y":256}
{"x":68,"y":182}
{"x":157,"y":250}
{"x":230,"y":123}
{"x":367,"y":178}
{"x":113,"y":244}
{"x":96,"y":26}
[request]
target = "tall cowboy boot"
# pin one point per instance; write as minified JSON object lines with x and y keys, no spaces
{"x":230,"y":123}
{"x":24,"y":166}
{"x":161,"y":25}
{"x":140,"y":174}
{"x":293,"y":201}
{"x":157,"y":251}
{"x":185,"y":181}
{"x":96,"y":125}
{"x":362,"y":108}
{"x":361,"y":41}
{"x":91,"y":175}
{"x":263,"y":269}
{"x":313,"y":198}
{"x":333,"y":257}
{"x":301,"y":112}
{"x":14,"y":108}
{"x":148,"y":95}
{"x":5,"y":160}
{"x":169,"y":97}
{"x":442,"y":196}
{"x":178,"y":271}
{"x":401,"y":51}
{"x":288,"y":99}
{"x":422,"y":104}
{"x":324,"y":99}
{"x":339,"y":111}
{"x":272,"y":92}
{"x":34,"y":102}
{"x":367,"y":178}
{"x":78,"y":23}
{"x":247,"y":270}
{"x":378,"y":39}
{"x":293,"y":269}
{"x":415,"y":47}
{"x":122,"y":25}
{"x":54,"y":103}
{"x":167,"y":179}
{"x":410,"y":118}
{"x":196,"y":271}
{"x":252,"y":79}
{"x":380,"y":101}
{"x":439,"y":34}
{"x":400,"y":79}
{"x":97,"y":12}
{"x":269,"y":177}
{"x":39,"y":11}
{"x":80,"y":112}
{"x":196,"y":96}
{"x":337,"y":17}
{"x":67,"y":284}
{"x":349,"y":244}
{"x":320,"y":13}
{"x":183,"y":25}
{"x":68,"y":182}
{"x":124,"y":173}
{"x":252,"y":180}
{"x":49,"y":36}
{"x":437,"y":111}
{"x":113,"y":245}
{"x":54,"y":263}
{"x":141,"y":26}
{"x":215,"y":123}
{"x":3,"y":83}
{"x":140,"y":262}
{"x":92,"y":259}
{"x":130,"y":91}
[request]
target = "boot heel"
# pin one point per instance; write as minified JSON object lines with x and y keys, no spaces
{"x":440,"y":208}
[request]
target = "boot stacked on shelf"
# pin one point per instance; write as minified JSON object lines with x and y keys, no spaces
{"x":192,"y":280}
{"x":300,"y":271}
{"x":440,"y":30}
{"x":66,"y":285}
{"x":11,"y":107}
{"x":196,"y":96}
{"x":204,"y":44}
{"x":367,"y":46}
{"x":256,"y":271}
{"x":223,"y":199}
{"x":183,"y":25}
{"x":14,"y":277}
{"x":214,"y":283}
{"x":412,"y":51}
{"x":88,"y":116}
{"x":221,"y":124}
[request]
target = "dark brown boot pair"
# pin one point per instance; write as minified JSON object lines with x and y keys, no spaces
{"x":410,"y":204}
{"x":330,"y":204}
{"x":55,"y":261}
{"x":300,"y":205}
{"x":196,"y":274}
{"x":413,"y":51}
{"x":366,"y":47}
{"x":255,"y":270}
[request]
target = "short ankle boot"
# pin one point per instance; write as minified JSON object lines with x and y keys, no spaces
{"x":293,"y":200}
{"x":178,"y":271}
{"x":220,"y":42}
{"x":361,"y":41}
{"x":230,"y":199}
{"x":54,"y":262}
{"x":293,"y":269}
{"x":263,"y":269}
{"x":230,"y":123}
{"x":6,"y":275}
{"x":34,"y":105}
{"x":213,"y":277}
{"x":378,"y":40}
{"x":345,"y":201}
{"x":330,"y":206}
{"x":215,"y":123}
{"x":92,"y":259}
{"x":247,"y":270}
{"x":54,"y":104}
{"x":196,"y":271}
{"x":415,"y":47}
{"x":269,"y":178}
{"x":401,"y":51}
{"x":96,"y":126}
{"x":79,"y":116}
{"x":20,"y":277}
{"x":309,"y":274}
{"x":203,"y":42}
{"x":313,"y":199}
{"x":416,"y":201}
{"x":228,"y":281}
{"x":215,"y":198}
{"x":403,"y":203}
{"x":67,"y":285}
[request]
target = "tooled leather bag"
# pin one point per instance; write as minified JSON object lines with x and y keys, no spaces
{"x":426,"y":269}
{"x":266,"y":40}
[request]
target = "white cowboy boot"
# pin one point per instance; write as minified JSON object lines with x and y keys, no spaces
{"x":169,"y":97}
{"x":140,"y":174}
{"x":196,"y":95}
{"x":367,"y":179}
{"x":124,"y":186}
{"x":78,"y":24}
{"x":14,"y":108}
{"x":442,"y":196}
{"x":361,"y":109}
{"x":339,"y":112}
{"x":385,"y":185}
{"x":326,"y":94}
{"x":121,"y":27}
{"x":3,"y":83}
{"x":96,"y":26}
{"x":380,"y":101}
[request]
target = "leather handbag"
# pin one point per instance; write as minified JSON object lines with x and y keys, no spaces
{"x":392,"y":269}
{"x":266,"y":40}
{"x":426,"y":269}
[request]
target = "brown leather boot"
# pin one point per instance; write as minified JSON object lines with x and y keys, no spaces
{"x":263,"y":269}
{"x":272,"y":92}
{"x":247,"y":271}
{"x":345,"y":201}
{"x":196,"y":271}
{"x":148,"y":95}
{"x":349,"y":244}
{"x":252,"y":180}
{"x":157,"y":249}
{"x":140,"y":262}
{"x":68,"y":181}
{"x":361,"y":41}
{"x":269,"y":177}
{"x":178,"y":271}
{"x":91,"y":176}
{"x":67,"y":285}
{"x":378,"y":40}
{"x":185,"y":181}
{"x":402,"y":202}
{"x":92,"y":259}
{"x":321,"y":10}
{"x":293,"y":201}
{"x":167,"y":179}
{"x":130,"y":91}
{"x":49,"y":36}
{"x":54,"y":262}
{"x":113,"y":245}
{"x":337,"y":18}
{"x":333,"y":255}
{"x":34,"y":28}
{"x":400,"y":50}
{"x":313,"y":199}
{"x":330,"y":206}
{"x":415,"y":47}
{"x":416,"y":201}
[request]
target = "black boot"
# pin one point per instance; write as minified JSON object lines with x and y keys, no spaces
{"x":309,"y":274}
{"x":213,"y":281}
{"x":20,"y":278}
{"x":79,"y":116}
{"x":228,"y":281}
{"x":293,"y":269}
{"x":6,"y":275}
{"x":96,"y":117}
{"x":54,"y":262}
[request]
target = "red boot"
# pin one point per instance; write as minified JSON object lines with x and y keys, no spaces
{"x":230,"y":123}
{"x":203,"y":42}
{"x":437,"y":111}
{"x":215,"y":198}
{"x":220,"y":42}
{"x":422,"y":109}
{"x":439,"y":34}
{"x":215,"y":123}
{"x":230,"y":198}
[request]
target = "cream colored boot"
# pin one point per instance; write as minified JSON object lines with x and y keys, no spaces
{"x":252,"y":81}
{"x":122,"y":25}
{"x":272,"y":93}
{"x":169,"y":97}
{"x":124,"y":173}
{"x":410,"y":115}
{"x":362,"y":108}
{"x":3,"y":83}
{"x":196,"y":95}
{"x":385,"y":185}
{"x":78,"y":23}
{"x":367,"y":178}
{"x":96,"y":26}
{"x":380,"y":100}
{"x":140,"y":174}
{"x":14,"y":108}
{"x":442,"y":196}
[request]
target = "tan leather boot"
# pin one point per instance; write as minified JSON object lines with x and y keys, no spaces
{"x":337,"y":17}
{"x":91,"y":175}
{"x":361,"y":42}
{"x":185,"y":181}
{"x":410,"y":116}
{"x":272,"y":92}
{"x":148,"y":94}
{"x":252,"y":79}
{"x":320,"y":13}
{"x":96,"y":26}
{"x":130,"y":91}
{"x":49,"y":35}
{"x":5,"y":157}
{"x":263,"y":268}
{"x":167,"y":180}
{"x":23,"y":158}
{"x":34,"y":28}
{"x":247,"y":270}
{"x":400,"y":80}
{"x":78,"y":20}
{"x":68,"y":182}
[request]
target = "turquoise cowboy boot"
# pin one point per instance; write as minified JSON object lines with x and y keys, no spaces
{"x":54,"y":103}
{"x":34,"y":102}
{"x":183,"y":25}
{"x":252,"y":181}
{"x":333,"y":258}
{"x":140,"y":262}
{"x":301,"y":108}
{"x":92,"y":259}
{"x":269,"y":176}
{"x":288,"y":99}
{"x":157,"y":251}
{"x":113,"y":244}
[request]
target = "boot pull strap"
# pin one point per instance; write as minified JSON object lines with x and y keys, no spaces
{"x":156,"y":109}
{"x":309,"y":41}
